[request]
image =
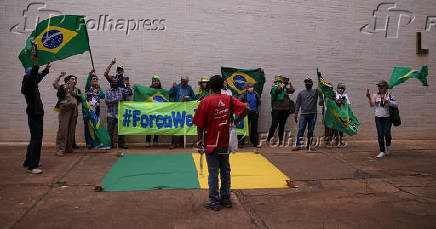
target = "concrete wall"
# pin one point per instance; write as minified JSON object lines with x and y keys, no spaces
{"x":197,"y":37}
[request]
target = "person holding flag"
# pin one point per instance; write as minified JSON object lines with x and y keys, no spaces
{"x":280,"y":107}
{"x":119,"y":74}
{"x":307,"y":100}
{"x":93,"y":94}
{"x":35,"y":114}
{"x":337,"y":114}
{"x":156,"y":84}
{"x":180,"y":93}
{"x":341,"y":99}
{"x":112,"y":97}
{"x":382,"y":101}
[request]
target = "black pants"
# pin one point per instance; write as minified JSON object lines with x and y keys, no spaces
{"x":155,"y":138}
{"x":278,"y":119}
{"x":33,"y":153}
{"x":253,"y":118}
{"x":383,"y":125}
{"x":177,"y":140}
{"x":111,"y":124}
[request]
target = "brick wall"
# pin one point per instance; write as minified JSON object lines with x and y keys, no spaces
{"x":291,"y":38}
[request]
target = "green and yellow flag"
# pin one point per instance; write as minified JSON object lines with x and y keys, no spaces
{"x":335,"y":117}
{"x":401,"y":74}
{"x":148,"y":94}
{"x":238,"y":78}
{"x":98,"y":133}
{"x":57,"y":38}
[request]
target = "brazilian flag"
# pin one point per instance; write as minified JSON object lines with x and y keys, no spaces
{"x":326,"y":88}
{"x":335,"y":117}
{"x":148,"y":94}
{"x":98,"y":133}
{"x":57,"y":38}
{"x":238,"y":78}
{"x":401,"y":74}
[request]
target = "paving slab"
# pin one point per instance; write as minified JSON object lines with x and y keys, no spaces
{"x":54,"y":167}
{"x":304,"y":165}
{"x":16,"y":200}
{"x":81,"y":207}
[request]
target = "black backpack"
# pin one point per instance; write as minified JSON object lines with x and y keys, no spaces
{"x":394,"y":114}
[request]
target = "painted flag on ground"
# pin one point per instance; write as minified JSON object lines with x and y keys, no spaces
{"x":238,"y":78}
{"x":148,"y":94}
{"x":401,"y":74}
{"x":134,"y":172}
{"x":99,"y":134}
{"x":334,"y":117}
{"x":57,"y":38}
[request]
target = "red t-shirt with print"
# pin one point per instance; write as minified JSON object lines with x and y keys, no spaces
{"x":213,"y":115}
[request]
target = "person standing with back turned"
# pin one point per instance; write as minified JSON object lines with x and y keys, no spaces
{"x":213,"y":119}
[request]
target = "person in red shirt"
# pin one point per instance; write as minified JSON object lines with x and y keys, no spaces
{"x":213,"y":120}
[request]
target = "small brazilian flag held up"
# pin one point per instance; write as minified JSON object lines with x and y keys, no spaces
{"x":148,"y":94}
{"x":237,"y":79}
{"x":401,"y":74}
{"x":57,"y":38}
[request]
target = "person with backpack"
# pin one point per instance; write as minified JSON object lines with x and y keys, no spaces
{"x":382,"y":101}
{"x":213,"y":120}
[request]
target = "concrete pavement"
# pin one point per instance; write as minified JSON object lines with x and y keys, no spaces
{"x":338,"y":188}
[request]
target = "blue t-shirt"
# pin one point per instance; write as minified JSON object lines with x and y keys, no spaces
{"x":251,"y":100}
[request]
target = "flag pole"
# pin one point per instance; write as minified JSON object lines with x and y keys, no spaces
{"x":92,"y":61}
{"x":90,"y":53}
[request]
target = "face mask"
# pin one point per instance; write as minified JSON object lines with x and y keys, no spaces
{"x":114,"y":85}
{"x":250,"y":90}
{"x":308,"y":86}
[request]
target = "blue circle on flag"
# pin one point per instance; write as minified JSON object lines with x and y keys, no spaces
{"x":52,"y":39}
{"x":239,"y":82}
{"x":159,"y":98}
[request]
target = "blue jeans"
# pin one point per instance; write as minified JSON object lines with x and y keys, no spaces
{"x":306,"y":120}
{"x":218,"y":162}
{"x":383,"y":125}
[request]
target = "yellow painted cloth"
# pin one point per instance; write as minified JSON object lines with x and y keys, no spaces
{"x":248,"y":171}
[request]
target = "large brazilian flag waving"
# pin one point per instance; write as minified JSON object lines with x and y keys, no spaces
{"x":401,"y":74}
{"x":238,"y":78}
{"x":148,"y":94}
{"x":57,"y":38}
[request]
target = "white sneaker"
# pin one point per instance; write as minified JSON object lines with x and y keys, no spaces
{"x":388,"y":150}
{"x":34,"y":171}
{"x":381,"y":154}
